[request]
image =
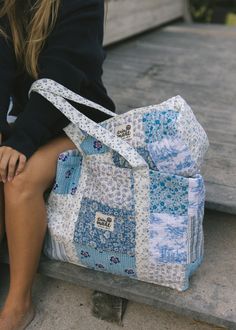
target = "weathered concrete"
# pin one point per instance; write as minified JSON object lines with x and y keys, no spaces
{"x":108,"y":307}
{"x":65,"y":306}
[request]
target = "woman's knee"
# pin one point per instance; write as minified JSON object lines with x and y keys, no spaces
{"x":33,"y":180}
{"x":40,"y":170}
{"x":24,"y":185}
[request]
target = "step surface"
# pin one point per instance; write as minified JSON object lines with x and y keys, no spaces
{"x":198,"y":63}
{"x":66,"y":306}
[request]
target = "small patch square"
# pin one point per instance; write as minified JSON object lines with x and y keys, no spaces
{"x":169,"y":193}
{"x":92,"y":146}
{"x":168,"y":238}
{"x":69,"y":166}
{"x":171,"y":155}
{"x":104,"y":221}
{"x":160,"y":124}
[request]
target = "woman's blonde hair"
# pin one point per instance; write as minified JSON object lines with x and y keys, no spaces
{"x":28,"y":38}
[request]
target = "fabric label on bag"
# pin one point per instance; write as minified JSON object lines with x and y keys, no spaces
{"x":124,"y":131}
{"x":104,"y":221}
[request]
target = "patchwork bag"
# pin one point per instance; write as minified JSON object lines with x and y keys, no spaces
{"x":129,"y":199}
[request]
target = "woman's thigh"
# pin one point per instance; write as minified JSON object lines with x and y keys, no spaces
{"x":1,"y":209}
{"x":40,"y":169}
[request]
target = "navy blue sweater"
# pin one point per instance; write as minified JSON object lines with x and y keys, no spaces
{"x":73,"y":55}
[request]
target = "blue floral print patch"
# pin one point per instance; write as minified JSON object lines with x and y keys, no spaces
{"x":159,"y":124}
{"x":121,"y":238}
{"x":112,"y":262}
{"x":168,"y":193}
{"x":68,"y":172}
{"x":91,"y":146}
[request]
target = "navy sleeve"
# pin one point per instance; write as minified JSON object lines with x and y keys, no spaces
{"x":73,"y":56}
{"x":7,"y":74}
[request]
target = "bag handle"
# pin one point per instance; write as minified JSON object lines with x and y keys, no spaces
{"x":57,"y":95}
{"x":58,"y":89}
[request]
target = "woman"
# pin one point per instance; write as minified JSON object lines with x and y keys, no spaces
{"x":60,"y":40}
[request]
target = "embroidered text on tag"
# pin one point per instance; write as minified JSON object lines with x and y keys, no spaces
{"x":124,"y":131}
{"x":104,"y":221}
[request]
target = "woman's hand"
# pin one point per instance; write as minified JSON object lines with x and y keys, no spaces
{"x":12,"y":163}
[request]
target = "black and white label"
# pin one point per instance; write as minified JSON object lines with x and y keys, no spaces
{"x":104,"y":221}
{"x":124,"y":131}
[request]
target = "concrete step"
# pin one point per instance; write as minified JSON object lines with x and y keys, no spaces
{"x":67,"y":306}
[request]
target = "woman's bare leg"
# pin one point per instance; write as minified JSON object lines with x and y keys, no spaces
{"x":25,"y":222}
{"x":2,"y":221}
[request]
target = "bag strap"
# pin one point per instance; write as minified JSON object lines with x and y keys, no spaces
{"x":57,"y":95}
{"x":60,"y":90}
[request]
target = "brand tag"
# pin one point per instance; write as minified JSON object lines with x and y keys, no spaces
{"x":104,"y":221}
{"x":124,"y":131}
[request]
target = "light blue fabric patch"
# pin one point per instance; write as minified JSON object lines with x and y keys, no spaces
{"x":68,"y":172}
{"x":168,"y":193}
{"x":171,"y":155}
{"x":91,"y":146}
{"x":120,"y":239}
{"x":159,"y":124}
{"x":168,"y":236}
{"x":112,"y":262}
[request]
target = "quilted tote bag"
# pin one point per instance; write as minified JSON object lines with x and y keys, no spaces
{"x":129,"y":200}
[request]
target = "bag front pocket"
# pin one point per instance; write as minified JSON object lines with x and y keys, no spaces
{"x":106,"y":219}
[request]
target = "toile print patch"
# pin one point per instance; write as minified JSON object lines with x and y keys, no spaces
{"x":104,"y":221}
{"x":124,"y":131}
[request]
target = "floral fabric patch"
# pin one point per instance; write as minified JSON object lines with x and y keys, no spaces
{"x":120,"y":239}
{"x":168,"y":238}
{"x":112,"y":262}
{"x":117,"y":193}
{"x":91,"y":146}
{"x":171,"y":155}
{"x":68,"y":172}
{"x":168,"y":193}
{"x":159,"y":124}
